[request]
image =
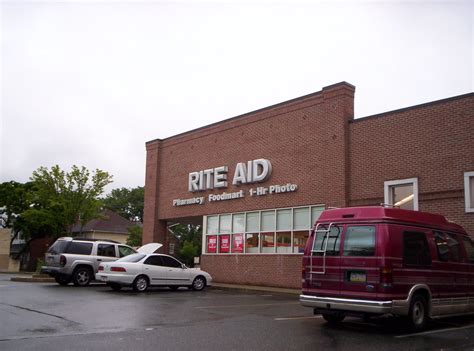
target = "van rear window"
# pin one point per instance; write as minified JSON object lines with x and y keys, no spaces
{"x":319,"y":244}
{"x":359,"y":241}
{"x":416,"y":251}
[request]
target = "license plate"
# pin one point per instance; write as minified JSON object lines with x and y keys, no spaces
{"x":104,"y":279}
{"x":357,"y":277}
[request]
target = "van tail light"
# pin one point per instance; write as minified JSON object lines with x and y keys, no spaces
{"x":62,"y":260}
{"x":101,"y":268}
{"x":117,"y":269}
{"x":386,"y":277}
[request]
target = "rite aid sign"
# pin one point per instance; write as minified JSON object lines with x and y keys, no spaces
{"x":255,"y":171}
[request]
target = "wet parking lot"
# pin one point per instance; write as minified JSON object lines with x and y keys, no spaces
{"x":51,"y":317}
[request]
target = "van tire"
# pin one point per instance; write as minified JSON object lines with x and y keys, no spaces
{"x":418,"y":313}
{"x":334,"y":318}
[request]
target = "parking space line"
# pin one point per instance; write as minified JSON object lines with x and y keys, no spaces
{"x":296,"y":318}
{"x":435,"y":331}
{"x":253,"y":305}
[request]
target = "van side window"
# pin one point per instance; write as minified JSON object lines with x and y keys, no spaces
{"x":319,"y":243}
{"x":416,"y":251}
{"x":469,"y":246}
{"x":442,"y":247}
{"x":359,"y":241}
{"x":448,"y":246}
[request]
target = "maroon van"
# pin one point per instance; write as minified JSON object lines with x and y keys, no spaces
{"x":367,"y":261}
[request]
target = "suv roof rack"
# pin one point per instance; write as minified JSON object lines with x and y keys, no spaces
{"x":89,"y":239}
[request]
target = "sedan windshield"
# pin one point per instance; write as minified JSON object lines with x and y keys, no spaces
{"x":132,"y":258}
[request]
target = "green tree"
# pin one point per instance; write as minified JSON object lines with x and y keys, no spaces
{"x":14,"y":199}
{"x":135,"y":236}
{"x":127,"y":202}
{"x":61,"y":199}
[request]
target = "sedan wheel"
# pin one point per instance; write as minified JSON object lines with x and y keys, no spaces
{"x":140,"y":284}
{"x":199,"y":283}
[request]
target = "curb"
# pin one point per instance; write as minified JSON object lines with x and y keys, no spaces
{"x":253,"y":289}
{"x":32,"y":279}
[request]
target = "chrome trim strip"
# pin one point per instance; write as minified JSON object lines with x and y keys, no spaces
{"x":331,"y":303}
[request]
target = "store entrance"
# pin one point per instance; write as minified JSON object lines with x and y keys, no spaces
{"x":184,"y":239}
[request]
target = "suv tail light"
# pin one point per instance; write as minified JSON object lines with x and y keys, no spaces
{"x":117,"y":269}
{"x":101,"y":268}
{"x":386,"y":277}
{"x":62,"y":260}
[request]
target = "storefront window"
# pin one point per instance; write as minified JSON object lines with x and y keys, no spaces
{"x":315,"y":213}
{"x":238,"y":221}
{"x":251,"y":243}
{"x":225,"y":224}
{"x":270,"y":231}
{"x":212,"y":224}
{"x":284,"y":219}
{"x":268,"y":242}
{"x":238,"y":243}
{"x":301,"y":218}
{"x":268,"y":221}
{"x":224,"y":243}
{"x":283,"y":242}
{"x":211,"y":244}
{"x":252,"y":222}
{"x":299,"y":241}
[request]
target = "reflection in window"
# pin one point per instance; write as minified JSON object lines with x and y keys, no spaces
{"x":268,"y":242}
{"x":299,"y":241}
{"x":251,"y":243}
{"x":283,"y":242}
{"x":359,"y":241}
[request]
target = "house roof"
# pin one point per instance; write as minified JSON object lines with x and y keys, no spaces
{"x":108,"y":222}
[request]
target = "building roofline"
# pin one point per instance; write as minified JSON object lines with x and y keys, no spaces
{"x":435,"y":102}
{"x":343,"y":83}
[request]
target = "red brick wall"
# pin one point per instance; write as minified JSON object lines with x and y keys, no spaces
{"x":265,"y":270}
{"x":304,"y":139}
{"x":433,"y":142}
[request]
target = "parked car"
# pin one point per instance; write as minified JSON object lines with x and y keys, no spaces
{"x":77,"y":259}
{"x":368,"y":261}
{"x":145,"y":269}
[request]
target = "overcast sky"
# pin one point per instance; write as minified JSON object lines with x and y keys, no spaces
{"x":89,"y":82}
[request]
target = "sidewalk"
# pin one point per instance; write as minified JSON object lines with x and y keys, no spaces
{"x":252,"y":288}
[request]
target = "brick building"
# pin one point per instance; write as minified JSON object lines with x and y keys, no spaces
{"x":258,"y":181}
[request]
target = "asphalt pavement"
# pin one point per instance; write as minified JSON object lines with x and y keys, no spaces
{"x":46,"y":316}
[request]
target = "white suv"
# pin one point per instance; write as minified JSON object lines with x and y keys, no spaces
{"x":77,"y":259}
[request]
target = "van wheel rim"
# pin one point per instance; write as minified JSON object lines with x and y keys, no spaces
{"x":418,"y":313}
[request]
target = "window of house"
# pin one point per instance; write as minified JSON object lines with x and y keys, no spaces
{"x":402,"y":193}
{"x":251,"y":243}
{"x":171,"y":249}
{"x":283,"y":242}
{"x":212,"y":224}
{"x":416,"y":251}
{"x":268,"y":242}
{"x":301,"y":218}
{"x":359,"y":241}
{"x":283,"y":219}
{"x":469,"y":191}
{"x":225,"y":224}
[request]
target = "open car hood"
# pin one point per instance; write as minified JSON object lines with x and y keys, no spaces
{"x":149,"y":248}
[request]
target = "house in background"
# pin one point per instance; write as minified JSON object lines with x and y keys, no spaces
{"x":109,"y":226}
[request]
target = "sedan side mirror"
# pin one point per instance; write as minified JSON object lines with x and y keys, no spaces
{"x":183,"y":266}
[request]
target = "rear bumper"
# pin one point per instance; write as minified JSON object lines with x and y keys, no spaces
{"x":54,"y":271}
{"x":351,"y":305}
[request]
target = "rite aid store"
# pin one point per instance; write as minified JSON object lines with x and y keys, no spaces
{"x":257,"y":182}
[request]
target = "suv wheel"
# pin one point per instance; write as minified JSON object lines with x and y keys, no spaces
{"x":82,"y":276}
{"x":62,"y":281}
